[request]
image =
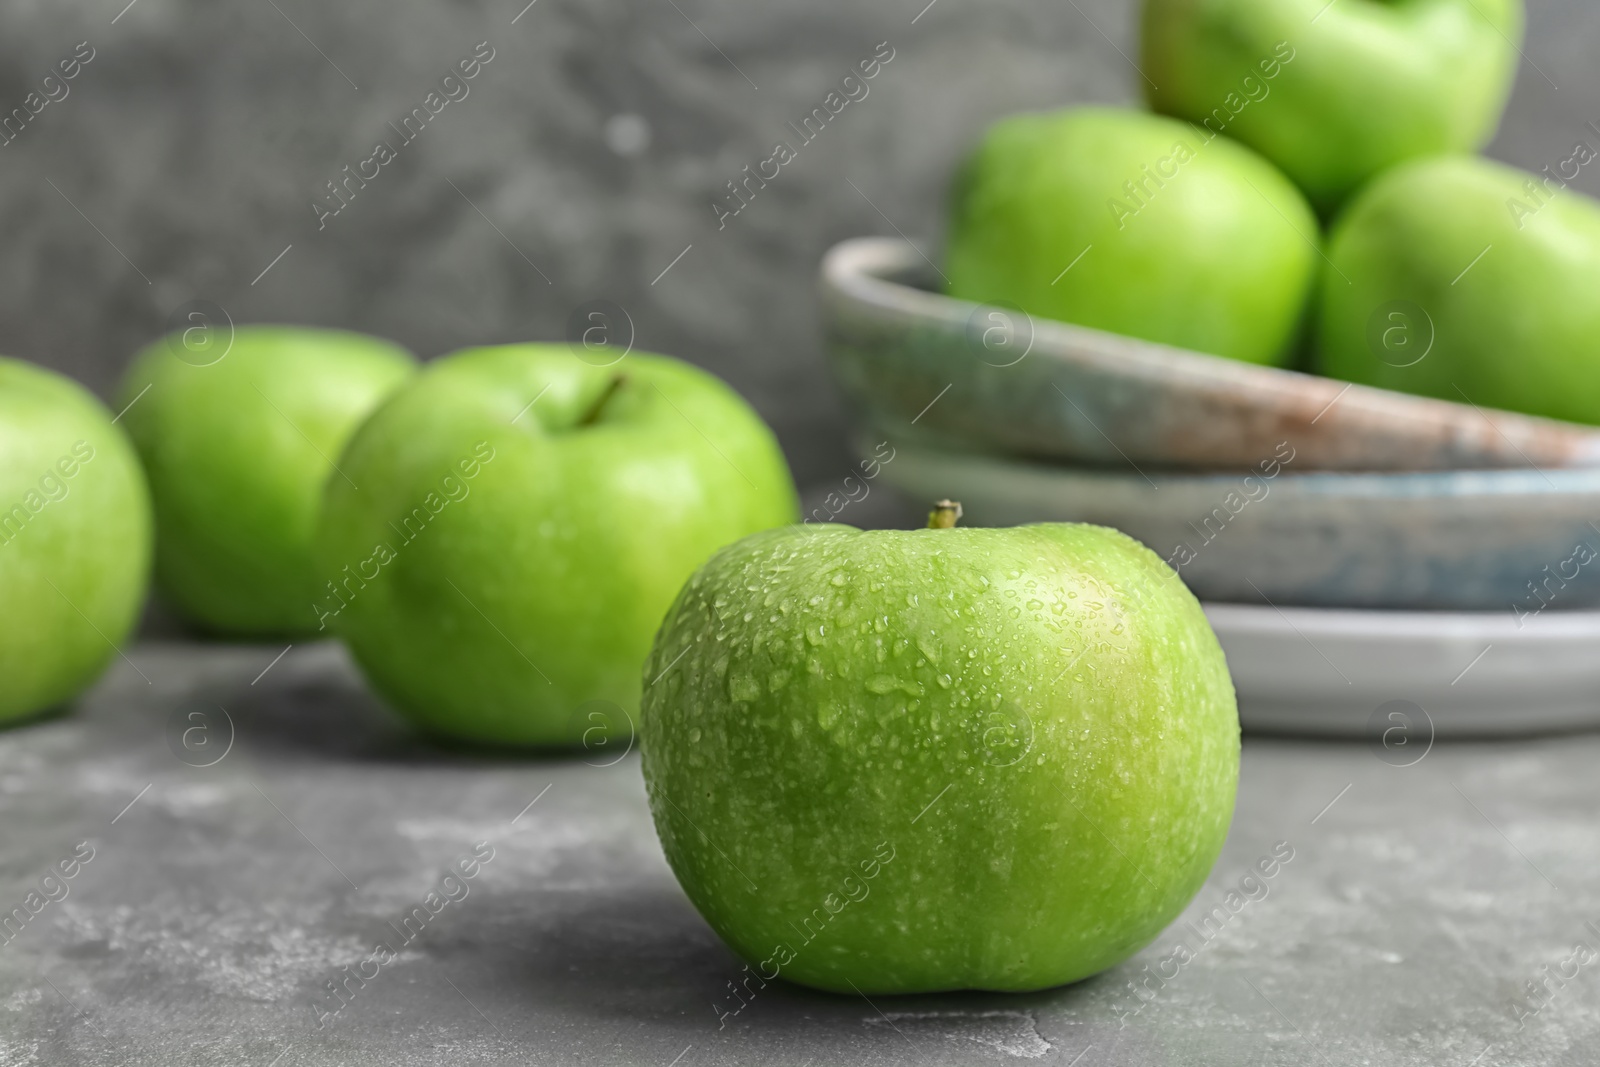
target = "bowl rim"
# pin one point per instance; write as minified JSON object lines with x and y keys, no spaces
{"x":1414,"y":485}
{"x":860,"y":273}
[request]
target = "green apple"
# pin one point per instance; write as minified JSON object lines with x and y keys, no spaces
{"x":238,"y":441}
{"x":910,"y":761}
{"x":1136,"y":224}
{"x":1335,"y":91}
{"x":74,"y":539}
{"x":523,"y":520}
{"x":1470,"y":281}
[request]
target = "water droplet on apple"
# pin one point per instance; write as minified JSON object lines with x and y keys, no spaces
{"x":743,"y":688}
{"x":883,"y":684}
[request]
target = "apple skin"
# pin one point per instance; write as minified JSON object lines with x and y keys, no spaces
{"x":74,"y":539}
{"x":1216,"y":254}
{"x":538,"y":590}
{"x":1365,"y":86}
{"x":956,"y":759}
{"x":237,"y":452}
{"x":1519,"y":330}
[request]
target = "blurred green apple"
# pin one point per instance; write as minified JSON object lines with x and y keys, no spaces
{"x":523,"y":520}
{"x":911,"y":761}
{"x":238,"y":441}
{"x":74,"y":539}
{"x":1136,"y":224}
{"x":1335,"y":92}
{"x":1471,"y":281}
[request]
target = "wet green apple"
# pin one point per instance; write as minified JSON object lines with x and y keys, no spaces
{"x":909,"y":761}
{"x":1335,"y":93}
{"x":74,"y":539}
{"x":238,"y":441}
{"x":523,"y":520}
{"x":1470,"y":281}
{"x":1137,"y":224}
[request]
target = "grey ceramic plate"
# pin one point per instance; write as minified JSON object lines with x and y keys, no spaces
{"x":919,"y":363}
{"x":1399,"y":679}
{"x":1465,"y":541}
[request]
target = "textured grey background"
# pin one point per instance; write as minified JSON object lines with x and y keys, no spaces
{"x":197,"y":138}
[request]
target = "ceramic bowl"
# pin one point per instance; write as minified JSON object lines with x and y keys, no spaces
{"x":1519,"y":542}
{"x":1399,"y":679}
{"x":922,"y":365}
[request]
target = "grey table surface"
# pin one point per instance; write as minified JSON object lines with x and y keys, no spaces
{"x":1419,"y":903}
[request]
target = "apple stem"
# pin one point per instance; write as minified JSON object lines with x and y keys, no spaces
{"x":592,"y":416}
{"x":945,"y":515}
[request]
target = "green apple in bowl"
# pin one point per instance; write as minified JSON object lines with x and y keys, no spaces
{"x":911,"y":761}
{"x":74,"y":539}
{"x":1470,"y":281}
{"x":1136,"y":224}
{"x":1335,"y":92}
{"x":522,"y":521}
{"x":238,"y":440}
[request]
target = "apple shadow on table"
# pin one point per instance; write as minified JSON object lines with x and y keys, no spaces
{"x":640,"y":954}
{"x":60,"y":709}
{"x":328,"y":713}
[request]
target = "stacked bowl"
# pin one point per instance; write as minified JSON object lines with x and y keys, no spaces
{"x":1364,"y":553}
